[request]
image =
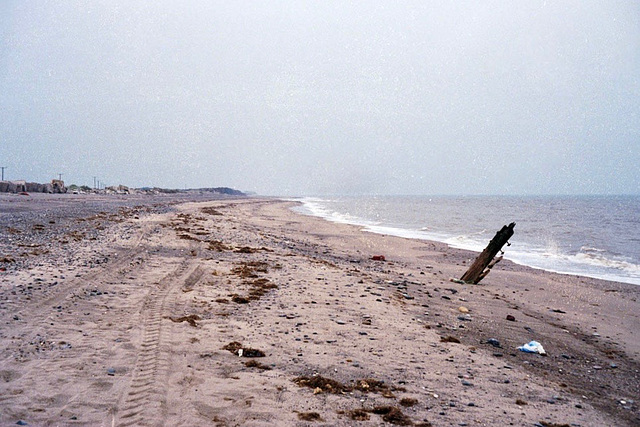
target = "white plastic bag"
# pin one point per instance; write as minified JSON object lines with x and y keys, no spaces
{"x":532,"y":347}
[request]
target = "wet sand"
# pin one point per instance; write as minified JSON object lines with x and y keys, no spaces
{"x":167,"y":311}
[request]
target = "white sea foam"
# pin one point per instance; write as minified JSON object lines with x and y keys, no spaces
{"x":546,"y":254}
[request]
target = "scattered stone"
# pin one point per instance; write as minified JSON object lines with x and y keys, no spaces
{"x":511,"y":318}
{"x":494,"y":342}
{"x":463,"y":309}
{"x":450,"y":339}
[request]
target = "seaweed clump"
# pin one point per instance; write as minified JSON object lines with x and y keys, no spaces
{"x":309,"y":416}
{"x":236,"y":348}
{"x":190,"y":319}
{"x":323,"y":384}
{"x":392,"y":415}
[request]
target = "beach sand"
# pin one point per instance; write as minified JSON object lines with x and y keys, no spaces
{"x":141,"y":314}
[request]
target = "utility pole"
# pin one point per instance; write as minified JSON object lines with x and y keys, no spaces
{"x":3,"y":168}
{"x":60,"y":176}
{"x":94,"y":182}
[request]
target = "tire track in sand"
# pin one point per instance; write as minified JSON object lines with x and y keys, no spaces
{"x":118,"y":265}
{"x":144,"y":403}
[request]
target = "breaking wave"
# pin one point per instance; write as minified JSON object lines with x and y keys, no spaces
{"x":528,"y":247}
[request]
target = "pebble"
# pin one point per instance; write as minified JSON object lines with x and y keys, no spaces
{"x":111,"y":371}
{"x":463,"y":309}
{"x":510,"y":318}
{"x":465,"y":317}
{"x":466,"y":383}
{"x":494,"y":342}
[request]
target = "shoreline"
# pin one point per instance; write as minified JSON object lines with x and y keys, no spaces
{"x":135,"y":317}
{"x":524,"y":252}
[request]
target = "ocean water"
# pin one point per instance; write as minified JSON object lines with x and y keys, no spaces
{"x":593,"y":236}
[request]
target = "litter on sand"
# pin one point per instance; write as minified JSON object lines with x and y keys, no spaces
{"x":532,"y":347}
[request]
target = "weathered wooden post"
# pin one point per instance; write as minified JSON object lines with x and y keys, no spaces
{"x":485,"y":262}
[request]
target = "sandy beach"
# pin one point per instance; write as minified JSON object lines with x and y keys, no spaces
{"x":241,"y":312}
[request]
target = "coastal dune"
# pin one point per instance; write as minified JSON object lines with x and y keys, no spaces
{"x":240,"y":311}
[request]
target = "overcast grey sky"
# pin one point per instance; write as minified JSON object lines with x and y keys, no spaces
{"x":327,"y":97}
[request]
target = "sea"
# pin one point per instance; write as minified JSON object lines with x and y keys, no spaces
{"x":593,"y":236}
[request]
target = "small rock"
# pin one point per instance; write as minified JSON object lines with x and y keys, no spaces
{"x":463,"y":309}
{"x":466,"y":383}
{"x":510,"y":318}
{"x":111,"y":371}
{"x":465,"y":317}
{"x":494,"y":342}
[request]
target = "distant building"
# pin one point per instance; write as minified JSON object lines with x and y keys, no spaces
{"x":56,"y":186}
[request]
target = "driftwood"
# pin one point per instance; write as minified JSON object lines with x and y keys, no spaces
{"x":485,"y":261}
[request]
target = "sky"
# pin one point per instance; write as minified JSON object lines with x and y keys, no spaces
{"x":302,"y":98}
